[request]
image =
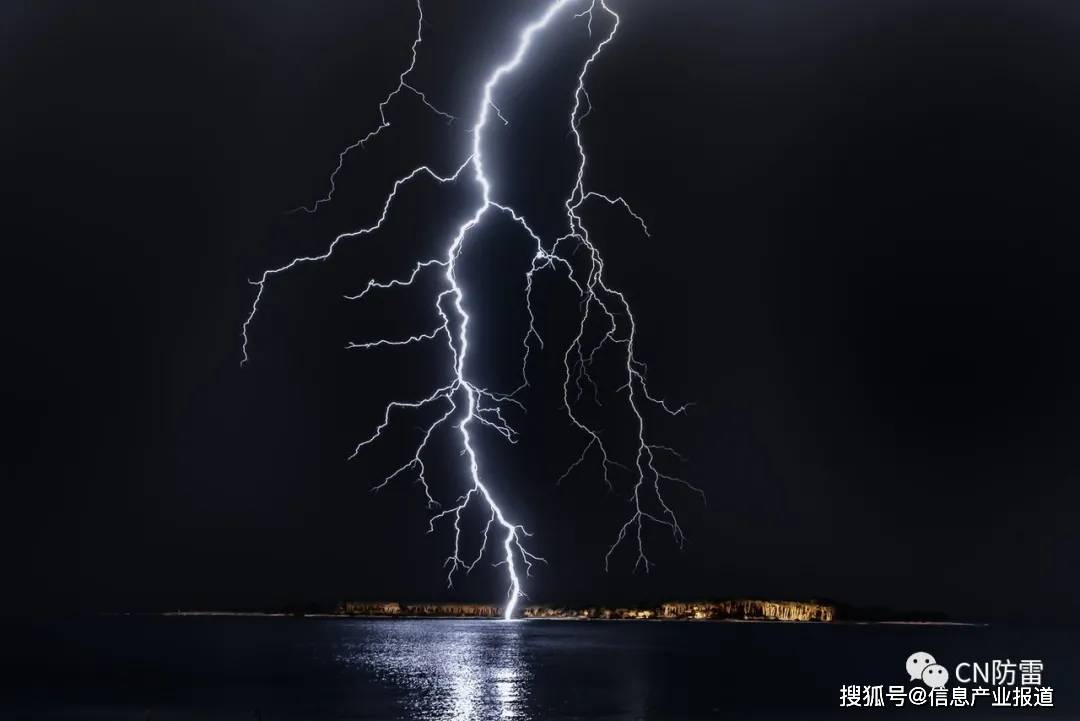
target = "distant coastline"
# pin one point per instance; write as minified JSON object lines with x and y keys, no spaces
{"x":739,"y":609}
{"x":751,"y":610}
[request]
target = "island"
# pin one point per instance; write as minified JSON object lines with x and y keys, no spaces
{"x":733,"y":609}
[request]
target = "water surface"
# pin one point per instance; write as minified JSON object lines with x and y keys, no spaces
{"x":181,"y":668}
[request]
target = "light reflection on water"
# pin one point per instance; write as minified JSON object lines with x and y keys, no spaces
{"x":453,"y":670}
{"x":475,"y":670}
{"x":232,"y":669}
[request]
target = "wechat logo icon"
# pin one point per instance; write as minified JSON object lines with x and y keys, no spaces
{"x":922,"y":666}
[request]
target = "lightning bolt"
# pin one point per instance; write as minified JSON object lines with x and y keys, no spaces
{"x":467,"y":406}
{"x":402,"y":87}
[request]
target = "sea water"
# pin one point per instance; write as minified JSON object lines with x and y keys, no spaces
{"x":181,"y":668}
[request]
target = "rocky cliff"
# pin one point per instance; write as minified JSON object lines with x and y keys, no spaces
{"x":412,"y":610}
{"x":751,"y":609}
{"x":737,"y":609}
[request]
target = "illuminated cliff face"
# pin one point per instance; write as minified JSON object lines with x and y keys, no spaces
{"x":739,"y":609}
{"x":751,"y":609}
{"x":370,"y":608}
{"x":457,"y":610}
{"x":393,"y":608}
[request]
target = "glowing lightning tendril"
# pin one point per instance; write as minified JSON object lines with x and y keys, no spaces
{"x":462,"y":397}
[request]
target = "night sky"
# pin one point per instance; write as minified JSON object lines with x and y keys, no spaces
{"x":863,"y":270}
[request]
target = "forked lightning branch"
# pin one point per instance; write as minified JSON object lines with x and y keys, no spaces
{"x":459,"y":403}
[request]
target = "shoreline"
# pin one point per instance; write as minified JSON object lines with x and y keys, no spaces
{"x":345,"y":617}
